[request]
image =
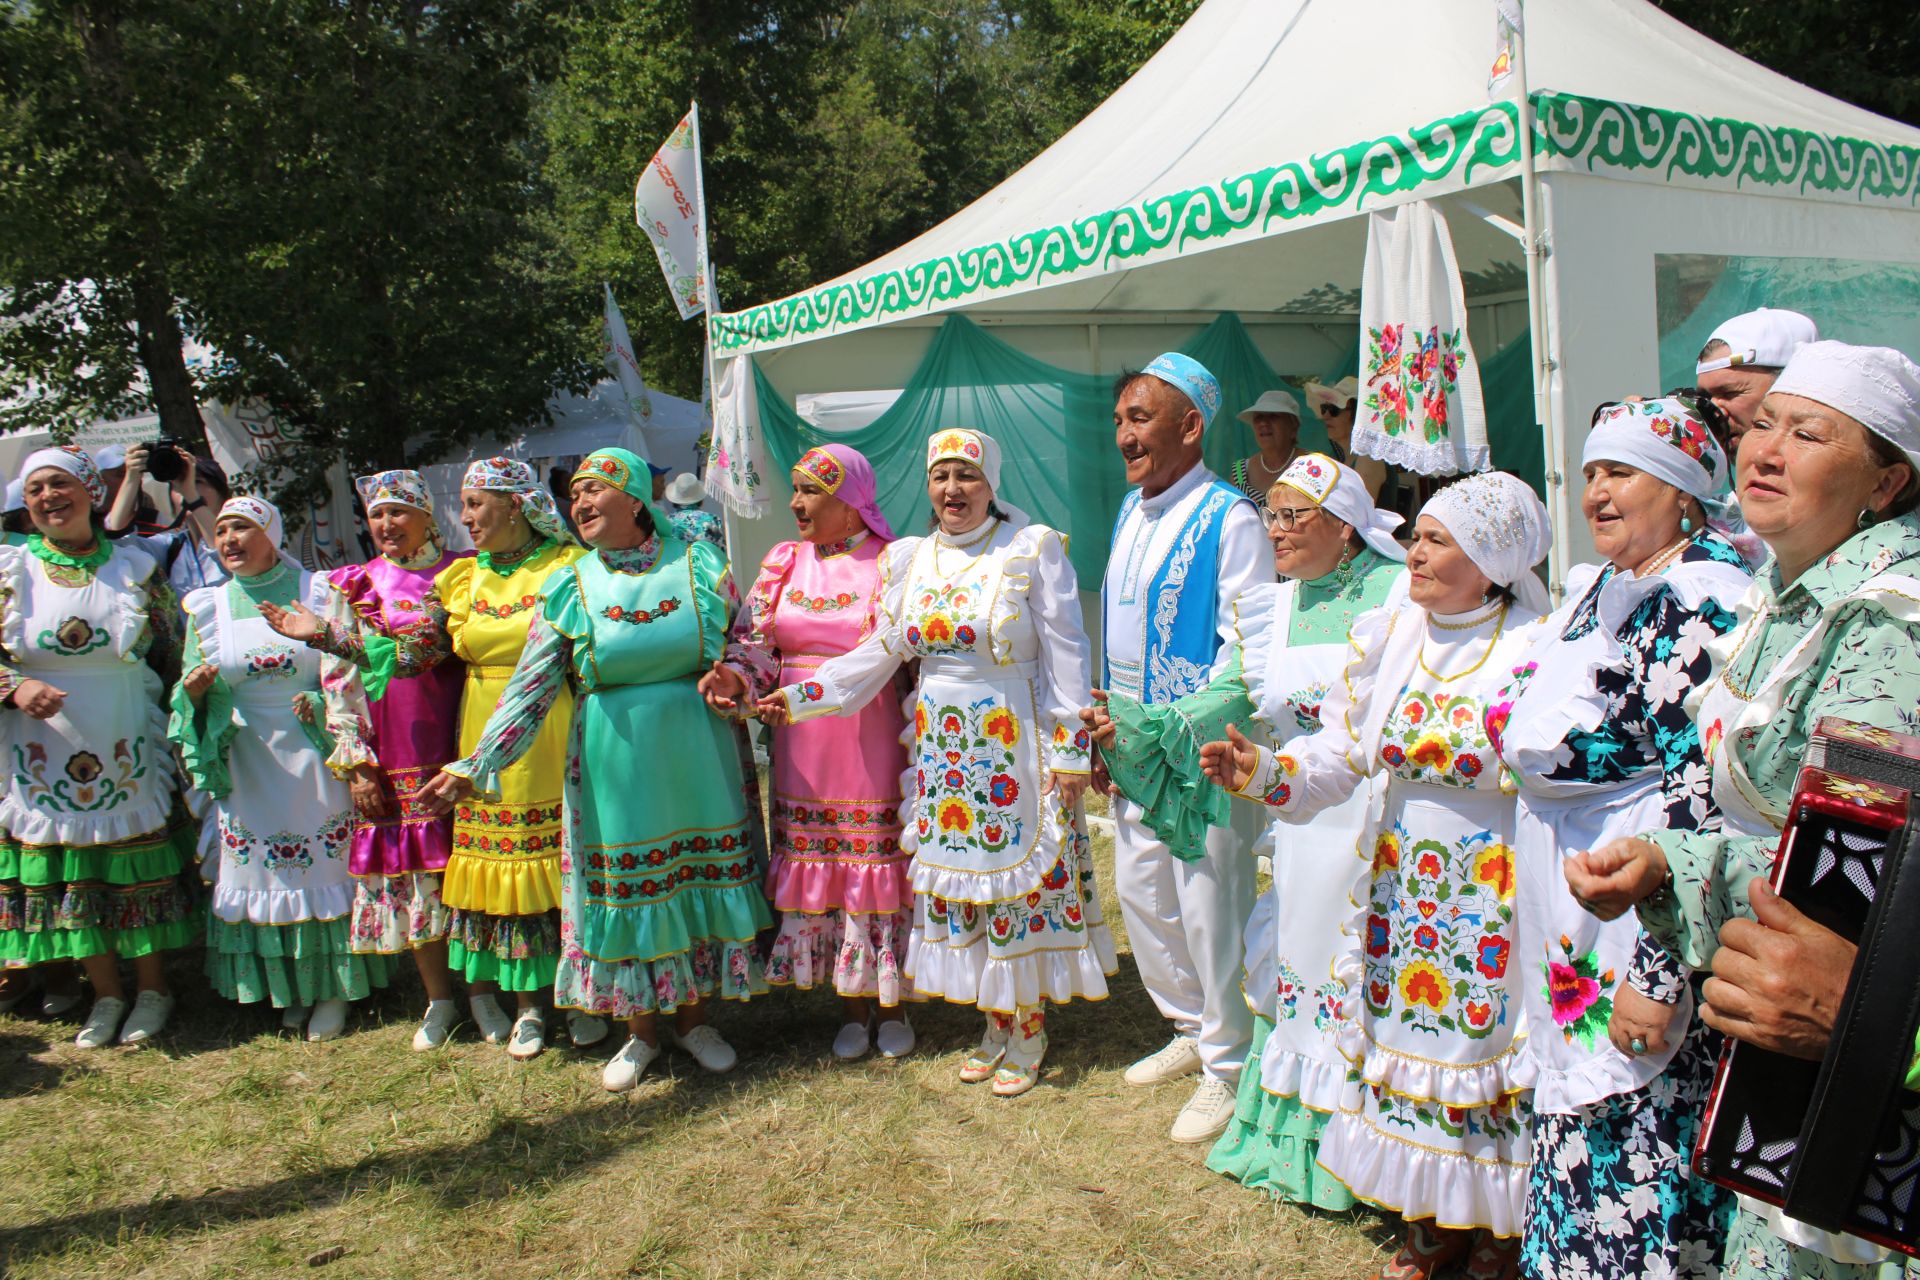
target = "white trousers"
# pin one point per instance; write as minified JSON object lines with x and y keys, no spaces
{"x":1186,"y":922}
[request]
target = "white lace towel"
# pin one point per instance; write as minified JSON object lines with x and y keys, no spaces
{"x":737,"y":458}
{"x":1420,"y":405}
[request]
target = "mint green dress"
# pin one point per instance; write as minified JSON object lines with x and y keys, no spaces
{"x":661,"y":891}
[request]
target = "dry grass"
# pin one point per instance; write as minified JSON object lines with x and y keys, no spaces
{"x":230,"y":1150}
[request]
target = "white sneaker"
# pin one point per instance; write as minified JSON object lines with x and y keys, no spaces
{"x":585,"y":1029}
{"x":1207,"y":1113}
{"x":329,"y":1020}
{"x":148,"y":1019}
{"x":1180,"y":1057}
{"x":103,"y":1021}
{"x":895,"y":1038}
{"x":293,"y":1017}
{"x":437,"y":1027}
{"x":708,"y":1048}
{"x":494,"y":1025}
{"x":852,"y":1042}
{"x":59,"y":1002}
{"x":529,"y":1035}
{"x":623,"y":1072}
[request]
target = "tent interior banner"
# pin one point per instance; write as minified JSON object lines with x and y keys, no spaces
{"x":1055,"y":427}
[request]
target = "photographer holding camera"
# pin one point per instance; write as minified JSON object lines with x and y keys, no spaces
{"x":199,"y":488}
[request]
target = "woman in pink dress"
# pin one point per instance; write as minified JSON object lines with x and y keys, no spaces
{"x":836,"y":872}
{"x":411,"y":722}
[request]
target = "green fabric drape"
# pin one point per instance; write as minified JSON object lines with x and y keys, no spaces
{"x":1055,"y":428}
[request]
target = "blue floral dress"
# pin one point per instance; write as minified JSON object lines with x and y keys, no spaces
{"x":1595,"y":729}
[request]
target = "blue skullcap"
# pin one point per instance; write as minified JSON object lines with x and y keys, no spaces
{"x":1191,"y":378}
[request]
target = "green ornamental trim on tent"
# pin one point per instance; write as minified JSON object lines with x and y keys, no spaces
{"x":1571,"y":131}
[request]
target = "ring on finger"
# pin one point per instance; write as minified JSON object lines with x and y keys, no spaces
{"x":1638,"y":1045}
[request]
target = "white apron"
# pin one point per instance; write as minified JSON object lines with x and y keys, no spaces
{"x":282,"y":834}
{"x":99,"y":771}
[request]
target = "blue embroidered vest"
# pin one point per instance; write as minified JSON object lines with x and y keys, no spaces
{"x":1180,"y":604}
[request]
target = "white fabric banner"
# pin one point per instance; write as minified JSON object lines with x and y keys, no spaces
{"x":666,"y":204}
{"x":737,"y":460}
{"x":1509,"y":27}
{"x":623,"y":365}
{"x":249,"y":445}
{"x":1420,"y":403}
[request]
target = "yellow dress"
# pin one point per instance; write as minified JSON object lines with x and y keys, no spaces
{"x":503,"y":878}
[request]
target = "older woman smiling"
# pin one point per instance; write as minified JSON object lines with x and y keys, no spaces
{"x":1828,"y":479}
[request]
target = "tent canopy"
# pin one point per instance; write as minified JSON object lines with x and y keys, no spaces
{"x":1264,"y":117}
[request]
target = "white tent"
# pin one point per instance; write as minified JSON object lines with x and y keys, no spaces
{"x":1228,"y":174}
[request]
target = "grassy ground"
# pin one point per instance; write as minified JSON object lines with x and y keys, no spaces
{"x":231,"y":1150}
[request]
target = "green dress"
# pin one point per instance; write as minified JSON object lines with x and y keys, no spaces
{"x":278,"y":824}
{"x":661,"y":894}
{"x":1834,"y":642}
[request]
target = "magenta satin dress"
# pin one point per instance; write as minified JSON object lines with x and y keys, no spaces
{"x":414,"y":728}
{"x":836,"y":871}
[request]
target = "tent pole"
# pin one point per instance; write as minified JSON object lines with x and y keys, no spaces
{"x":1534,"y":248}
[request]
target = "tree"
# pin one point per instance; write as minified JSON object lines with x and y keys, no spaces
{"x":1866,"y":52}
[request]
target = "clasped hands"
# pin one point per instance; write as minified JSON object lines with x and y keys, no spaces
{"x":1778,"y":979}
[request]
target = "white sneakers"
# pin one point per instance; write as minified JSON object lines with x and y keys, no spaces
{"x":103,"y":1021}
{"x":329,"y":1020}
{"x":1180,"y":1057}
{"x":148,"y":1019}
{"x":437,"y":1027}
{"x":623,"y":1072}
{"x":852,"y":1042}
{"x":1207,"y":1113}
{"x":493,"y":1024}
{"x":585,"y":1029}
{"x":707,"y":1047}
{"x":529,"y":1036}
{"x":895,"y":1038}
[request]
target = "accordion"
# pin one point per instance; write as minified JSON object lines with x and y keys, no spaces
{"x":1836,"y":1143}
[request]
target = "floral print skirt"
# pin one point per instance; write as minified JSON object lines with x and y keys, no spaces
{"x":1612,"y":1191}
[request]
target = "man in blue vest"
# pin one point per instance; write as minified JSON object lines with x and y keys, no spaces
{"x":1185,"y":546}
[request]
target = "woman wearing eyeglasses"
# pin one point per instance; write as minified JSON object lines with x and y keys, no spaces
{"x":1337,"y":559}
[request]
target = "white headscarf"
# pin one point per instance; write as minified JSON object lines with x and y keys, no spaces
{"x":263,"y":515}
{"x":1341,"y":493}
{"x":976,"y":448}
{"x":1502,"y":526}
{"x":1664,"y":438}
{"x":1877,"y":387}
{"x":75,"y":462}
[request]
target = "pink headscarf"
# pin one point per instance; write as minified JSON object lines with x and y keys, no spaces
{"x":846,"y":474}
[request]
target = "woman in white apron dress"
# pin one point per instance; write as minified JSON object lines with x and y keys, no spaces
{"x":1008,"y":918}
{"x":1338,"y":560}
{"x":1831,"y":627}
{"x":252,"y":731}
{"x":96,"y":854}
{"x":1598,"y":736}
{"x":1439,"y":1129}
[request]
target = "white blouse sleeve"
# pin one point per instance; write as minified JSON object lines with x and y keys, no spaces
{"x":843,"y":685}
{"x":1320,"y":770}
{"x":1066,"y":657}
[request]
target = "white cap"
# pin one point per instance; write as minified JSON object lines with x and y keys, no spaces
{"x":1877,"y":387}
{"x":685,"y":490}
{"x":1270,"y":402}
{"x":1766,"y":338}
{"x":113,"y":455}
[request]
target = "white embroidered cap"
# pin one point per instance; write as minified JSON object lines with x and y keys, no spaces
{"x":1270,"y":402}
{"x":1502,"y":526}
{"x":1877,"y":387}
{"x":1764,"y":339}
{"x":1341,"y":493}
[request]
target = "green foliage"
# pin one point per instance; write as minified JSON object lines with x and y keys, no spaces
{"x":1866,"y":52}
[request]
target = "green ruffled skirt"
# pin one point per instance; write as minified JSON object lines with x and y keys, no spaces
{"x":67,"y":902}
{"x":520,"y":953}
{"x":290,"y":964}
{"x":1273,"y":1143}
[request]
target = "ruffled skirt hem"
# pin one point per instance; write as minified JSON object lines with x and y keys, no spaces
{"x":858,"y":955}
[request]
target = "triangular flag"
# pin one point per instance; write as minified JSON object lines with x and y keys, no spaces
{"x":666,"y":204}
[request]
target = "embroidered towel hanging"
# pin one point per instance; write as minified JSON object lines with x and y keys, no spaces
{"x":1420,"y":405}
{"x":736,"y":458}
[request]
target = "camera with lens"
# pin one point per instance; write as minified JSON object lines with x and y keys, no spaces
{"x":164,"y":462}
